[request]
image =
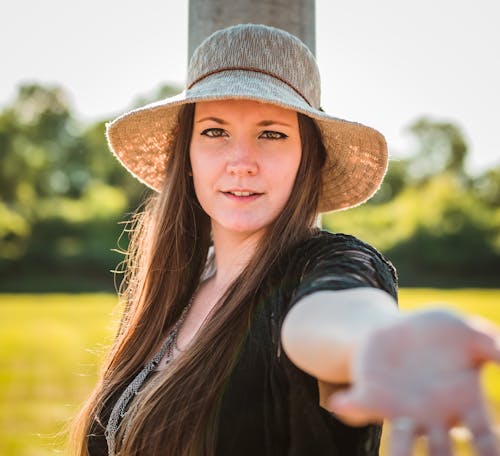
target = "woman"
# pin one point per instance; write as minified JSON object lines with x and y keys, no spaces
{"x":242,"y":319}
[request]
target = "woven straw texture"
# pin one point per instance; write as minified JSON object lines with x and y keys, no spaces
{"x":265,"y":64}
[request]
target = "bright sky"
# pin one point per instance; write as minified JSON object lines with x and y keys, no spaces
{"x":384,"y":63}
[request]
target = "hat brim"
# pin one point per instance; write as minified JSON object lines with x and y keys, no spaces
{"x":142,"y":139}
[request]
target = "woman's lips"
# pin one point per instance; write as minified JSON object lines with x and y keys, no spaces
{"x":242,"y":195}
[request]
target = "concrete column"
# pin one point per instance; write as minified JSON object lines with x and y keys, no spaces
{"x":294,"y":16}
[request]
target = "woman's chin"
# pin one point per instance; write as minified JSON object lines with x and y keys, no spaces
{"x":240,"y":228}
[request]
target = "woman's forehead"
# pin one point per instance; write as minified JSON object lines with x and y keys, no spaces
{"x":238,"y":110}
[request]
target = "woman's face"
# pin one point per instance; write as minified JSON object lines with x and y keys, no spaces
{"x":244,"y":158}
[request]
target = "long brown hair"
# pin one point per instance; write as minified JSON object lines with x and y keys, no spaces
{"x":176,"y":413}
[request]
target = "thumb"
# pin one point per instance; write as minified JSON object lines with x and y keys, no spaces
{"x":350,"y":407}
{"x":487,"y":348}
{"x":486,"y":345}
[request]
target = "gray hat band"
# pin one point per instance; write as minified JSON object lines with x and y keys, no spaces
{"x":256,"y":70}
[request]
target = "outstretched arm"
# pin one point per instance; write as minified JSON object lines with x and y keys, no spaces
{"x":321,"y":331}
{"x":420,"y":369}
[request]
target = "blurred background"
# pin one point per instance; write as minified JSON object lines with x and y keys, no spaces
{"x":425,"y":74}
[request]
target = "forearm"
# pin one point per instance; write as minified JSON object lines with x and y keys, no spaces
{"x":321,"y":332}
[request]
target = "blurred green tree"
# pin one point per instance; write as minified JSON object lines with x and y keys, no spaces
{"x":441,"y":147}
{"x":487,"y":187}
{"x":439,"y":225}
{"x":61,"y":191}
{"x":35,"y":142}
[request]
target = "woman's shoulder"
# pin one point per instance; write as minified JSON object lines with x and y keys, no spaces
{"x":323,"y":241}
{"x":322,"y":236}
{"x":342,"y":257}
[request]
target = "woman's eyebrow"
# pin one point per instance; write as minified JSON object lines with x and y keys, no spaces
{"x":267,"y":123}
{"x":213,"y":119}
{"x":263,"y":123}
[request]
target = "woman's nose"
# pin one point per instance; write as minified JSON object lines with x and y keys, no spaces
{"x":242,"y":160}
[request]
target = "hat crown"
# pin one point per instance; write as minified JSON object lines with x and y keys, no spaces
{"x":260,"y":48}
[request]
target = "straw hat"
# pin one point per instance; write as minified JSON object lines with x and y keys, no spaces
{"x":260,"y":63}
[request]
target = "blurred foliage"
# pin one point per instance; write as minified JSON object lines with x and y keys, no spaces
{"x":62,"y":196}
{"x":438,"y":225}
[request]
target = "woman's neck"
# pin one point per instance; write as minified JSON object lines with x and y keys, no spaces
{"x":233,"y":252}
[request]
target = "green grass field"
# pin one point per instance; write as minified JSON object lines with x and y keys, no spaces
{"x":50,"y":347}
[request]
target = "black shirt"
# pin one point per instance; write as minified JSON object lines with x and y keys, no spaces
{"x":269,"y":406}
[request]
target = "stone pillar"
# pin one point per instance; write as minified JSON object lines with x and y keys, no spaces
{"x":295,"y":16}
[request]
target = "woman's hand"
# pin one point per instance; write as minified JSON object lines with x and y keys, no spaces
{"x":422,"y":373}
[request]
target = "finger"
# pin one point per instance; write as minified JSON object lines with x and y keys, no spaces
{"x":487,"y":348}
{"x":487,"y":342}
{"x":352,"y":409}
{"x":403,"y":431}
{"x":438,"y":442}
{"x":481,"y":428}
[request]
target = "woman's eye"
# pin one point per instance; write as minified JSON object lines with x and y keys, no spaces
{"x":268,"y":134}
{"x":213,"y":132}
